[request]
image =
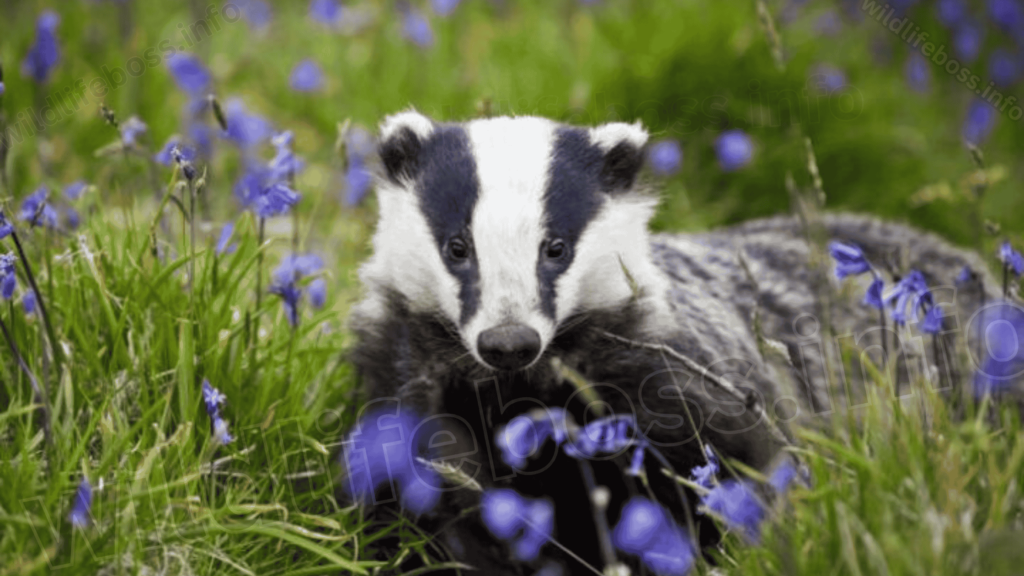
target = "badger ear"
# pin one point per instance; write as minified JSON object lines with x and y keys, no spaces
{"x":623,"y":146}
{"x":401,"y":139}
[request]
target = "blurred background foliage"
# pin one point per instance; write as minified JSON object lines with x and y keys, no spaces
{"x":888,"y":126}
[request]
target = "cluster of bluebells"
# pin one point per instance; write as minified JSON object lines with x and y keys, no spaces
{"x":287,"y":283}
{"x":647,"y":530}
{"x":381,"y":450}
{"x":525,"y":523}
{"x":213,"y":400}
{"x":44,"y":54}
{"x":81,"y":506}
{"x":738,"y":502}
{"x":359,"y":146}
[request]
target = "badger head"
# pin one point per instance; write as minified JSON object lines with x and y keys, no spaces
{"x":508,"y":227}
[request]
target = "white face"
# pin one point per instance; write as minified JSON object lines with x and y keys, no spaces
{"x":507,"y":227}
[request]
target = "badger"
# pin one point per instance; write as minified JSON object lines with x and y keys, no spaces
{"x":512,"y":254}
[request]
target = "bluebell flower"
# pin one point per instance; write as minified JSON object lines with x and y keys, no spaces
{"x":326,"y":12}
{"x":318,"y":292}
{"x":3,"y":89}
{"x":6,"y":228}
{"x":166,"y":154}
{"x":202,"y":136}
{"x":286,"y":282}
{"x":213,"y":399}
{"x":873,"y":297}
{"x":416,"y":28}
{"x":244,"y":129}
{"x":307,"y":76}
{"x":967,"y":41}
{"x":1008,"y":14}
{"x":189,"y":74}
{"x":735,"y":150}
{"x":828,"y":23}
{"x":380,"y":451}
{"x":28,"y":302}
{"x":736,"y":502}
{"x":82,"y":505}
{"x":75,"y":190}
{"x":951,"y":12}
{"x":45,"y":51}
{"x":523,"y":522}
{"x":965,"y":275}
{"x":256,"y":12}
{"x":1004,"y":67}
{"x":221,"y":434}
{"x":932,"y":323}
{"x":705,"y":475}
{"x":827,"y":78}
{"x":1011,"y":258}
{"x":918,"y":73}
{"x":275,"y":200}
{"x":1002,"y":330}
{"x":646,"y":530}
{"x":36,"y":209}
{"x":285,"y":163}
{"x":850,"y":259}
{"x":358,"y":181}
{"x":981,"y":118}
{"x":913,"y":290}
{"x":223,"y":246}
{"x":8,"y":278}
{"x":131,"y":129}
{"x":666,"y":157}
{"x":444,"y":7}
{"x":525,"y":434}
{"x":606,"y":436}
{"x":782,"y":476}
{"x":72,"y":218}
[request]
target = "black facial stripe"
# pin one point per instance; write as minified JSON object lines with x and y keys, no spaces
{"x":573,"y":197}
{"x":448,"y":190}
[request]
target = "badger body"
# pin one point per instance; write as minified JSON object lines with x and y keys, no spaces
{"x":512,"y":253}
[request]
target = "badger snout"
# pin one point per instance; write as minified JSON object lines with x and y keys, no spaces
{"x":509,"y":347}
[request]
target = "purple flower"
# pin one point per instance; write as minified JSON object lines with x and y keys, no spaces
{"x":213,"y":399}
{"x":45,"y":51}
{"x":307,"y":76}
{"x":735,"y":150}
{"x":225,"y":236}
{"x":647,"y":531}
{"x":3,"y":89}
{"x":782,"y":476}
{"x":850,"y":259}
{"x":981,"y":118}
{"x":525,"y":434}
{"x":525,"y":523}
{"x":873,"y":297}
{"x":318,"y":292}
{"x":202,"y":136}
{"x":286,"y":282}
{"x":735,"y":502}
{"x":380,"y":451}
{"x":965,"y":275}
{"x":8,"y":278}
{"x":918,"y":73}
{"x":444,"y":7}
{"x":951,"y":12}
{"x":71,"y":218}
{"x":705,"y":475}
{"x":244,"y":129}
{"x":326,"y":12}
{"x":357,"y":182}
{"x":828,"y":23}
{"x":220,"y":431}
{"x":1008,"y":14}
{"x":28,"y":302}
{"x":81,"y":506}
{"x":912,"y":290}
{"x":166,"y":154}
{"x":256,"y":12}
{"x":827,"y":78}
{"x":131,"y":129}
{"x":6,"y":228}
{"x":608,"y":435}
{"x":1011,"y":258}
{"x":189,"y":74}
{"x":275,"y":200}
{"x":36,"y":209}
{"x":666,"y":157}
{"x":285,"y":163}
{"x":932,"y":323}
{"x":967,"y":41}
{"x":1004,"y":67}
{"x":1002,"y":332}
{"x":74,"y":190}
{"x":416,"y":28}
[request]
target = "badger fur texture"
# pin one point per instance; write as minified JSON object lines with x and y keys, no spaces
{"x":513,"y":269}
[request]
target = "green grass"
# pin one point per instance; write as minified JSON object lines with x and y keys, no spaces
{"x":895,"y":493}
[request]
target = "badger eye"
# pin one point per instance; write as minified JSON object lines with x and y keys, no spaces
{"x":458,"y":250}
{"x":555,"y":249}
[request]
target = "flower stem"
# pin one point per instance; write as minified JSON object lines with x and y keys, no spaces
{"x":40,"y":394}
{"x":600,"y":521}
{"x":58,"y":355}
{"x":885,"y":338}
{"x":1006,"y":280}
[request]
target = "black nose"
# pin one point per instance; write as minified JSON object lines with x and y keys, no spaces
{"x":509,"y":347}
